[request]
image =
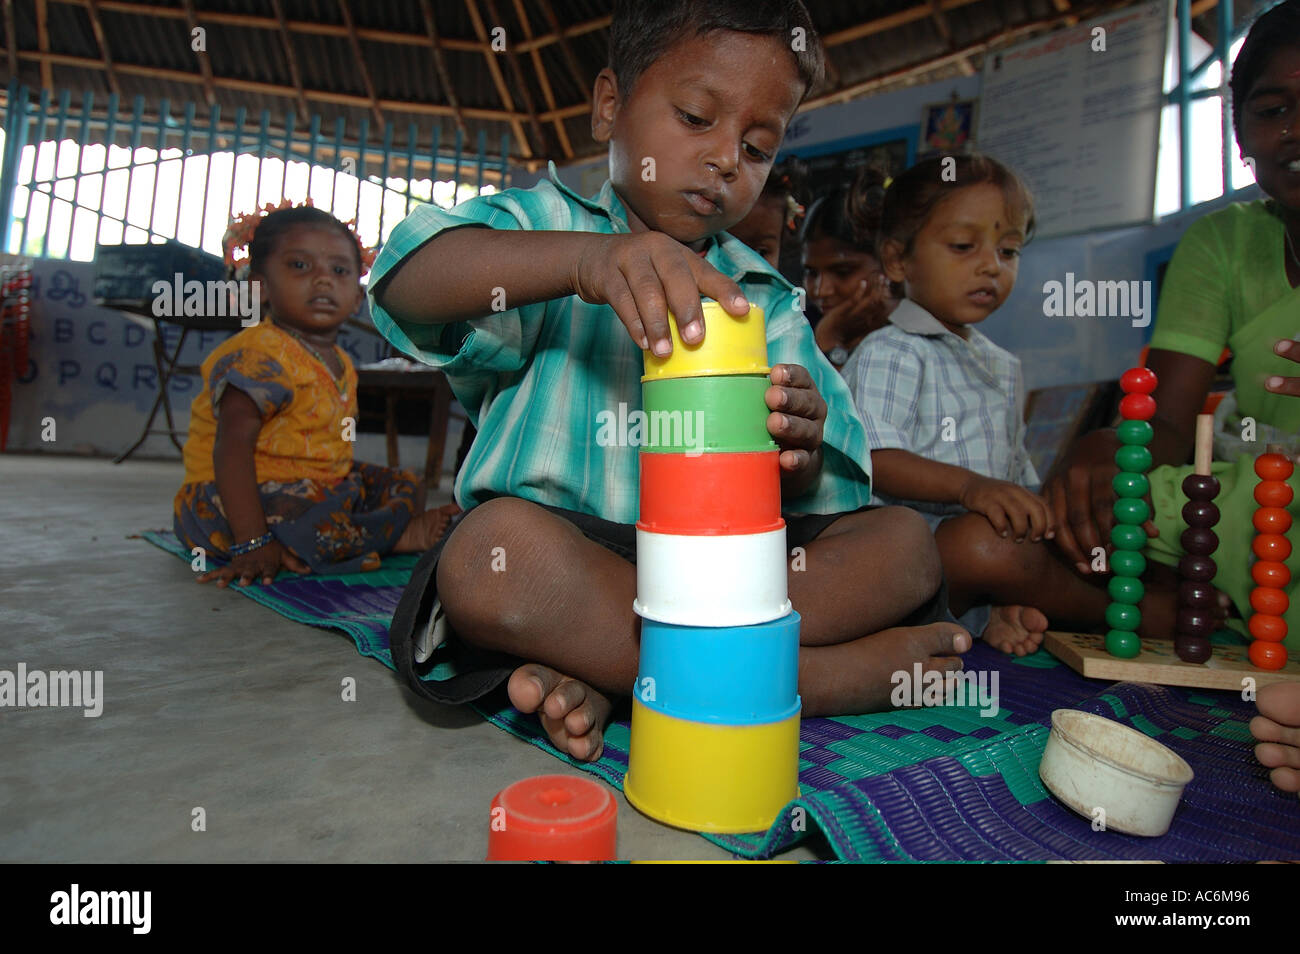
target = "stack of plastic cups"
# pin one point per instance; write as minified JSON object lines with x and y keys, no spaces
{"x":1131,"y":511}
{"x":715,"y":710}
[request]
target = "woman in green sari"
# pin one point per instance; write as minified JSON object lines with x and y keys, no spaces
{"x":1234,"y":281}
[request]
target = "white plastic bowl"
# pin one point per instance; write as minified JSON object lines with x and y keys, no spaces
{"x":1091,"y":762}
{"x":721,"y":580}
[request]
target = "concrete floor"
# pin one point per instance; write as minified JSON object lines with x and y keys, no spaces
{"x":214,"y":701}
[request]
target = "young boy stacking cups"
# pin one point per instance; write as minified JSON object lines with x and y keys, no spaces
{"x":715,"y":717}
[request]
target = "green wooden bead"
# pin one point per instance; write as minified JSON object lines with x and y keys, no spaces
{"x":1123,"y":644}
{"x":1135,"y":432}
{"x":1128,"y":537}
{"x":1123,"y":616}
{"x":1131,"y":485}
{"x":1133,"y":458}
{"x":1126,"y":589}
{"x":1131,"y":510}
{"x":1129,"y":563}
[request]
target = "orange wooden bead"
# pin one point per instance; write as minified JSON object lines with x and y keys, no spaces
{"x":1272,"y":520}
{"x":1273,"y":493}
{"x":1274,"y":467}
{"x":1270,"y":601}
{"x":1271,"y":629}
{"x":1271,"y":546}
{"x":1271,"y":656}
{"x":1271,"y":573}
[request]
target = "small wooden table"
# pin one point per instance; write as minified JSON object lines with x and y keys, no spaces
{"x":421,"y":383}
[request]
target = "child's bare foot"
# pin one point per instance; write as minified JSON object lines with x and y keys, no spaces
{"x":425,"y":529}
{"x":1277,"y":728}
{"x":1016,"y":629}
{"x":859,"y":676}
{"x":572,"y":713}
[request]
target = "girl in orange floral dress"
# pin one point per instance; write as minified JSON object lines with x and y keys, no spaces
{"x":270,"y":482}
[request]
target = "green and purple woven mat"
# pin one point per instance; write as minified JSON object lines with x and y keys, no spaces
{"x":940,"y":783}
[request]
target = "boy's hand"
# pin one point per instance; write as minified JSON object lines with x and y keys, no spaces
{"x":797,"y":420}
{"x":264,"y":562}
{"x":1012,"y":509}
{"x":643,"y":277}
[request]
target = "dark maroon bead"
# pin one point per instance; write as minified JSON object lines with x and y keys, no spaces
{"x":1192,"y":649}
{"x":1200,"y":487}
{"x":1200,"y":569}
{"x":1193,"y":622}
{"x":1200,"y":513}
{"x":1197,"y":595}
{"x":1200,"y":541}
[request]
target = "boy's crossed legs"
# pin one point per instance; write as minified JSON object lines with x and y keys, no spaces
{"x":564,"y":602}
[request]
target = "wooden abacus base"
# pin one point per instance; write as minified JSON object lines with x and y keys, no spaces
{"x":1086,"y":654}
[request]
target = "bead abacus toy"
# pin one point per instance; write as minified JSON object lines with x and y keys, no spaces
{"x":1269,"y":597}
{"x":715,"y":711}
{"x":1131,"y":511}
{"x":1196,"y":569}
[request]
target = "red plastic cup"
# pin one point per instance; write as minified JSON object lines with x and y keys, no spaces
{"x":553,"y":818}
{"x":711,"y":493}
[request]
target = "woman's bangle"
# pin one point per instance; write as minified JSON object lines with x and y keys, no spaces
{"x":239,"y":549}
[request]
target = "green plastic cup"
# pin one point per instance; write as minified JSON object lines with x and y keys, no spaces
{"x":716,"y":414}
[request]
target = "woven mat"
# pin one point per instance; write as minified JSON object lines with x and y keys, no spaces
{"x":940,"y":783}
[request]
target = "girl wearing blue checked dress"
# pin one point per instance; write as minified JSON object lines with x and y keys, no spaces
{"x":944,"y":406}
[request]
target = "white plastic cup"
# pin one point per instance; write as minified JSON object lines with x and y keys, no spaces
{"x":1093,"y":763}
{"x":720,"y":580}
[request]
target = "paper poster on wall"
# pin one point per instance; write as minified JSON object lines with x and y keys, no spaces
{"x":1077,"y":114}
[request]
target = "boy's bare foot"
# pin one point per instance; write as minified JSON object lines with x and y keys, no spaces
{"x":425,"y":529}
{"x":1277,"y":729}
{"x":859,"y":676}
{"x":572,"y":713}
{"x":1015,"y":629}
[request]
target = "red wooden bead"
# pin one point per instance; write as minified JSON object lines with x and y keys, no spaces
{"x":1273,"y":493}
{"x":1269,"y":600}
{"x":1271,"y":573}
{"x":1270,"y":520}
{"x":1137,"y":407}
{"x":1138,"y":381}
{"x":1271,"y":656}
{"x":1274,"y":467}
{"x":1271,"y":629}
{"x":1271,"y":546}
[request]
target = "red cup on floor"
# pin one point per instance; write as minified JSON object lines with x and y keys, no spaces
{"x":553,"y":818}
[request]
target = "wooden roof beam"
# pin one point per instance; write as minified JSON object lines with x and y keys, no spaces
{"x":361,"y":62}
{"x":497,"y":79}
{"x":524,"y":91}
{"x":891,"y":22}
{"x":43,"y":43}
{"x":205,"y":66}
{"x":292,"y":57}
{"x":945,"y":31}
{"x":543,"y":80}
{"x":440,"y":64}
{"x":575,"y":69}
{"x":98,"y":27}
{"x":316,"y":95}
{"x":13,"y":43}
{"x":982,"y":46}
{"x":333,"y":29}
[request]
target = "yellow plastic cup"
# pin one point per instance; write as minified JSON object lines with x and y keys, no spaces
{"x":724,"y":779}
{"x":731,"y":345}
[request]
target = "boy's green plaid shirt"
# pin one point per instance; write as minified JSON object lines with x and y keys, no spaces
{"x":535,"y":379}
